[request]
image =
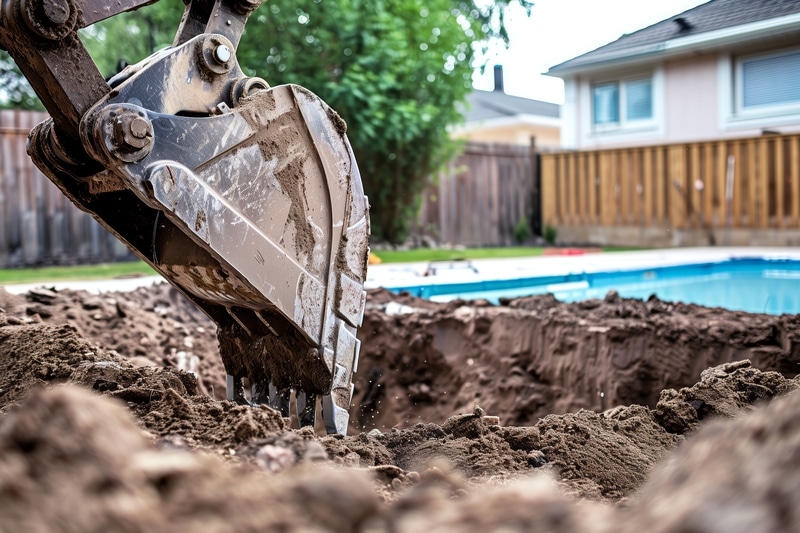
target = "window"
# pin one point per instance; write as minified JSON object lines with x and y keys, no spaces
{"x":639,"y":103}
{"x":620,"y":103}
{"x":606,"y":103}
{"x":770,"y":81}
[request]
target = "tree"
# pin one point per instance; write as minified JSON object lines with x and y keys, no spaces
{"x":394,"y":69}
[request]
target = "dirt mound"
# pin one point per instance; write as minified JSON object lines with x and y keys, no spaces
{"x":166,"y":402}
{"x":146,"y":450}
{"x":736,"y":476}
{"x":153,"y":325}
{"x":74,"y":461}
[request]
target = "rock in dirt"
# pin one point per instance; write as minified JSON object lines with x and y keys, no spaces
{"x":723,"y":391}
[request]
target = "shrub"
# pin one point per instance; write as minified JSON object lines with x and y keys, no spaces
{"x":549,"y":234}
{"x":522,"y":232}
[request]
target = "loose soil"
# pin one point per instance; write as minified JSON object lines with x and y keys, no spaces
{"x":534,"y":415}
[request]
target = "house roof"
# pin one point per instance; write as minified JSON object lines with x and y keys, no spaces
{"x":488,"y":105}
{"x":711,"y":16}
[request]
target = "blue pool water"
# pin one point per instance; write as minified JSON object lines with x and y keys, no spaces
{"x":750,"y":284}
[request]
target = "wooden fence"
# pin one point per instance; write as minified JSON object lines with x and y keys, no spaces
{"x":751,"y":184}
{"x":38,"y":225}
{"x":483,"y":195}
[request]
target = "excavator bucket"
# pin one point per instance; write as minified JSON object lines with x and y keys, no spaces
{"x":245,"y":197}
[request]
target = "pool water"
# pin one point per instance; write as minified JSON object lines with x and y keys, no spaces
{"x":750,"y":284}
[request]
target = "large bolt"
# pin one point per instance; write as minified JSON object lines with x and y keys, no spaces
{"x":132,"y":131}
{"x":216,"y":55}
{"x":51,"y":19}
{"x":119,"y":132}
{"x":56,"y":11}
{"x":140,"y":128}
{"x":222,"y":54}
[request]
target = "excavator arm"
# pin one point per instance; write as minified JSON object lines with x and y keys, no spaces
{"x":245,"y":197}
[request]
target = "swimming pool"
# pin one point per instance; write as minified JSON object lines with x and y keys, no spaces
{"x":755,"y":285}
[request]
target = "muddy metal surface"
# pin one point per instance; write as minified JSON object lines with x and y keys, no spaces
{"x":613,"y":415}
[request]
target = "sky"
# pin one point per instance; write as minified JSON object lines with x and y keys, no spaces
{"x":558,"y":30}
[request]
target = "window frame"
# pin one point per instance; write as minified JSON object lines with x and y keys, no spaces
{"x":623,"y":123}
{"x":766,"y":110}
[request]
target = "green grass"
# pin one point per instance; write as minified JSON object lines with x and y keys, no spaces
{"x":423,"y":255}
{"x":70,"y":273}
{"x":429,"y":254}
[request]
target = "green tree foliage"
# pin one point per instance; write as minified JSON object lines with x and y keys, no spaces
{"x":15,"y":91}
{"x":394,"y":69}
{"x":130,"y":37}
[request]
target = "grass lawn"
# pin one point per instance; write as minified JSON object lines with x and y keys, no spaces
{"x":85,"y":272}
{"x":426,"y":254}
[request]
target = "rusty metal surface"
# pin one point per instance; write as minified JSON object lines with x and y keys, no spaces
{"x":247,"y":198}
{"x":222,"y":18}
{"x":96,"y":10}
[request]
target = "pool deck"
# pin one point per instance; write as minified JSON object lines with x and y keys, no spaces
{"x":396,"y":275}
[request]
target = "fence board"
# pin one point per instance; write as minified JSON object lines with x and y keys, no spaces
{"x":678,"y":173}
{"x":661,"y":182}
{"x":624,"y":211}
{"x":780,"y":182}
{"x":720,"y":176}
{"x":549,"y":191}
{"x":606,"y":190}
{"x":763,"y":181}
{"x":794,"y":160}
{"x":592,"y":188}
{"x":691,"y":190}
{"x":739,"y":182}
{"x":648,"y":189}
{"x":707,"y":180}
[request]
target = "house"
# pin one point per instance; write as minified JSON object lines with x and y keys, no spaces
{"x":724,"y":69}
{"x":684,"y":133}
{"x":497,"y":117}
